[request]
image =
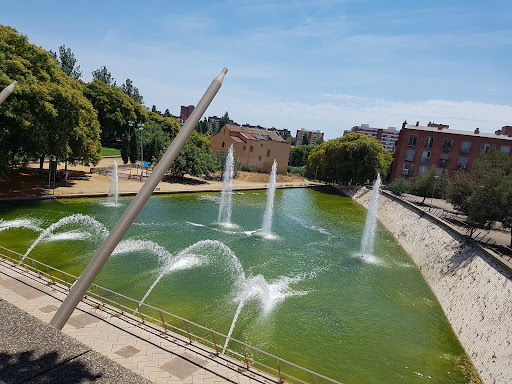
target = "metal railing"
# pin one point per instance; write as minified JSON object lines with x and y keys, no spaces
{"x":456,"y":220}
{"x":168,"y":324}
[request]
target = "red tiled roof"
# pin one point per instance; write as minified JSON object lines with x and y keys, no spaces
{"x":237,"y":139}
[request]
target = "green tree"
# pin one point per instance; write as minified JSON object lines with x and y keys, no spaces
{"x":102,"y":74}
{"x":305,"y":139}
{"x":202,"y":126}
{"x":351,"y":159}
{"x":67,"y":61}
{"x":153,"y":109}
{"x":428,"y":185}
{"x":115,"y":110}
{"x":223,"y":121}
{"x":47,"y":114}
{"x":485,"y":192}
{"x":194,"y":161}
{"x":299,"y":155}
{"x":167,"y":113}
{"x":319,"y":140}
{"x":132,"y":91}
{"x":220,"y":157}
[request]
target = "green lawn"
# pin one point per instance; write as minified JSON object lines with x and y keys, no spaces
{"x":105,"y":151}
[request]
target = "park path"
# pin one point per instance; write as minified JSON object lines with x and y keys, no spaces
{"x":124,"y":340}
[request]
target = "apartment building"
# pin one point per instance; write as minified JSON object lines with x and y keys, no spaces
{"x":256,"y":149}
{"x":420,"y":147}
{"x":387,"y":137}
{"x":313,"y":136}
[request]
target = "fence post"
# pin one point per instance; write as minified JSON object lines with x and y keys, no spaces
{"x":279,"y":370}
{"x":214,"y":343}
{"x":119,"y":303}
{"x":37,"y":269}
{"x":50,"y":274}
{"x":140,"y":312}
{"x":188,"y":333}
{"x":245,"y":357}
{"x":163,"y":323}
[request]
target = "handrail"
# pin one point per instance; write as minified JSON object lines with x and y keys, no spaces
{"x":67,"y":280}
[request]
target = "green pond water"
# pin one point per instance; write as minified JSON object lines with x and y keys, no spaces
{"x":310,"y":298}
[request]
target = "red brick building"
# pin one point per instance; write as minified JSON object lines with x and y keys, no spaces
{"x":418,"y":148}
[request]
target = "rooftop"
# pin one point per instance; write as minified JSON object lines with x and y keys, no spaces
{"x":457,"y":132}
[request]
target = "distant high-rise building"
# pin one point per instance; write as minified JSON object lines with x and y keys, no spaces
{"x":313,"y":136}
{"x":387,"y":137}
{"x":186,"y":112}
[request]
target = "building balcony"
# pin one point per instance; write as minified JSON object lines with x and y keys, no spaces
{"x":464,"y":150}
{"x":425,"y":160}
{"x":443,"y":162}
{"x":447,"y":149}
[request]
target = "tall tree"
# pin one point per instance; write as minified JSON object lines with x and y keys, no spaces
{"x":131,"y":91}
{"x":305,"y":139}
{"x":299,"y":155}
{"x":103,"y":74}
{"x":67,"y":62}
{"x":47,"y":113}
{"x":167,"y":113}
{"x":351,"y":159}
{"x":223,"y":121}
{"x":485,"y":192}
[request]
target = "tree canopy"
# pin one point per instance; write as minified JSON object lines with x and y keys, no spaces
{"x":299,"y":155}
{"x":132,"y":91}
{"x":47,"y":113}
{"x":351,"y":159}
{"x":67,"y":61}
{"x":103,"y":74}
{"x":485,"y":192}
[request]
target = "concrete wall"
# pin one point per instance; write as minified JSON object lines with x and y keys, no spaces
{"x":473,"y":290}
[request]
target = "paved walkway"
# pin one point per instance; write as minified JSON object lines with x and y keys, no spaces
{"x":122,"y":339}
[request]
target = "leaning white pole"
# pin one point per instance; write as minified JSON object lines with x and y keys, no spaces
{"x":7,"y":91}
{"x":100,"y":258}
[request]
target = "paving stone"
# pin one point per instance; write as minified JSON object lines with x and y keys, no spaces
{"x":128,"y":351}
{"x":82,"y":320}
{"x":49,"y":308}
{"x":22,"y":289}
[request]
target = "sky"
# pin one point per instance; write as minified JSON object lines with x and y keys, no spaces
{"x":314,"y":64}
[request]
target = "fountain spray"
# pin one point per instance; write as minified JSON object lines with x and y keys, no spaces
{"x":370,"y":226}
{"x":100,"y":258}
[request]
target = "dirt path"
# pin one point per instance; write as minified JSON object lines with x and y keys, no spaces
{"x":82,"y":182}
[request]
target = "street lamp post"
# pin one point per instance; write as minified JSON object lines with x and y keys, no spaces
{"x":141,"y":127}
{"x":316,"y":172}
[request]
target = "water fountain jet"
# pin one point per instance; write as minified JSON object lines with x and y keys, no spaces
{"x":266,"y":230}
{"x":370,"y":227}
{"x":113,"y":194}
{"x":227,"y":190}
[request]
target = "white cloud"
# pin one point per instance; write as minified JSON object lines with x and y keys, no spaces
{"x":346,"y":111}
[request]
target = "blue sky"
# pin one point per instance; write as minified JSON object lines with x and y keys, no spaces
{"x":311,"y":64}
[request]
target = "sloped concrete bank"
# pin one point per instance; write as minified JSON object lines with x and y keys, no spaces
{"x":474,"y":291}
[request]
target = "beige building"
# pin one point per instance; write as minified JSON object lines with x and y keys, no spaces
{"x":256,"y":149}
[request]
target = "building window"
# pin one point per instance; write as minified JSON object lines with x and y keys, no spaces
{"x":413,"y":139}
{"x":222,"y":144}
{"x":422,"y":170}
{"x":463,"y":162}
{"x":407,"y":170}
{"x":268,"y":152}
{"x":251,"y":148}
{"x":505,"y":148}
{"x":442,"y":172}
{"x":484,"y":148}
{"x":244,"y":147}
{"x":429,"y":142}
{"x":443,"y":159}
{"x":447,"y":144}
{"x":425,"y":157}
{"x":465,"y":147}
{"x":259,"y":158}
{"x":409,"y":154}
